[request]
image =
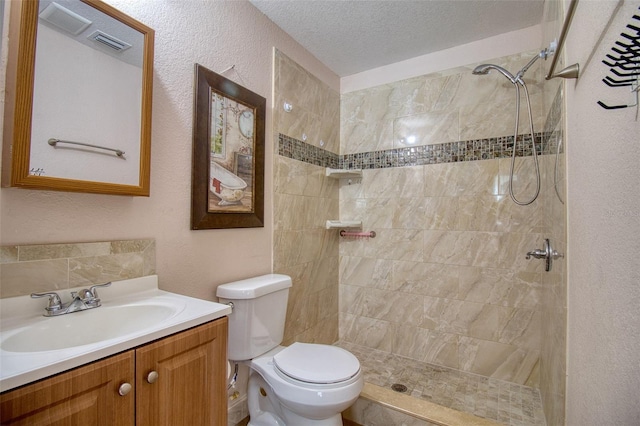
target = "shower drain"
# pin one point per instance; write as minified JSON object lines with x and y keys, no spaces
{"x":399,"y":387}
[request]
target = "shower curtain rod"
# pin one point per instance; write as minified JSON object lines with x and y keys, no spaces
{"x":572,"y":70}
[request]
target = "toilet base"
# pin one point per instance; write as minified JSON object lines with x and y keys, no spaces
{"x":264,"y":419}
{"x":266,"y":410}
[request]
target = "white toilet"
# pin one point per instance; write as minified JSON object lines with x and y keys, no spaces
{"x":299,"y":385}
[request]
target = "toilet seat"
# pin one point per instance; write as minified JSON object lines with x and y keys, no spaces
{"x":316,"y":364}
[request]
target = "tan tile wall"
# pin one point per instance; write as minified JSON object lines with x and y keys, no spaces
{"x":445,"y":280}
{"x":554,"y":295}
{"x":38,"y":268}
{"x":304,"y":199}
{"x":554,"y":299}
{"x":441,"y":107}
{"x":316,"y":107}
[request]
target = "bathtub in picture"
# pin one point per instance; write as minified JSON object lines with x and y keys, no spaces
{"x":226,"y":185}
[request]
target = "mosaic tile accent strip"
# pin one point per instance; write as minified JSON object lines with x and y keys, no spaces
{"x":298,"y":150}
{"x":451,"y":152}
{"x":504,"y":402}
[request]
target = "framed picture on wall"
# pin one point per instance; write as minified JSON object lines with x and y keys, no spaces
{"x":227,"y":178}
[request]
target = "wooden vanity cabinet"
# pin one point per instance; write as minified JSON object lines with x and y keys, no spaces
{"x":188,"y":387}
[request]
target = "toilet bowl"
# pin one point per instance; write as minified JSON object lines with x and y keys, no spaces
{"x":302,"y":384}
{"x":304,"y":393}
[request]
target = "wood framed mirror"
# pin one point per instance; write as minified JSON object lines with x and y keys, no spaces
{"x":78,"y":98}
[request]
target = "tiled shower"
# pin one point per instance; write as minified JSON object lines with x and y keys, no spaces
{"x":445,"y":281}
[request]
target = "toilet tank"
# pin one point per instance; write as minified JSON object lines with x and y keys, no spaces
{"x":256,"y":324}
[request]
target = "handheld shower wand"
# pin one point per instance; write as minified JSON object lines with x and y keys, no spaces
{"x":517,"y":81}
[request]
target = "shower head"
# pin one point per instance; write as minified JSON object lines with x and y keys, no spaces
{"x":485,"y":68}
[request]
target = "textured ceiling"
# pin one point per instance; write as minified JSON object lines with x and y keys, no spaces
{"x":351,"y":36}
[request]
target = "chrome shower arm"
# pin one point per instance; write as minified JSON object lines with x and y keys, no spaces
{"x":524,"y":69}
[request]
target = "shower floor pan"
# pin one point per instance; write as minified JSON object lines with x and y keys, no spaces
{"x":436,"y":395}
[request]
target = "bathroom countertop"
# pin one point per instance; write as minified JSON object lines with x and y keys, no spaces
{"x":20,"y":313}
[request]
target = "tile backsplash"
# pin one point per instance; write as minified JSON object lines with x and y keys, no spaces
{"x":25,"y":269}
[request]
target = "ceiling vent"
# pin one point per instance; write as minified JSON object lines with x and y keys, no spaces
{"x":109,"y":41}
{"x":65,"y":19}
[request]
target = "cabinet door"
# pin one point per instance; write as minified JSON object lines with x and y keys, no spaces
{"x":86,"y":396}
{"x":187,"y":372}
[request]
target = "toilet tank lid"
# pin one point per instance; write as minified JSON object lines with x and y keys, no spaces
{"x":253,"y":287}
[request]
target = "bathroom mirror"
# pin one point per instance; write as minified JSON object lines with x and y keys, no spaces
{"x":78,"y":101}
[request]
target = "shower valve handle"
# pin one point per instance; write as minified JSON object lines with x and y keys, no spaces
{"x":547,"y":253}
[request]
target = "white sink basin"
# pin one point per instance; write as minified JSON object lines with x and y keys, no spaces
{"x":85,"y":327}
{"x":134,"y":312}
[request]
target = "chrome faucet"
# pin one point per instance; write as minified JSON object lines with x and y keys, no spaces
{"x":547,"y":253}
{"x":80,"y":301}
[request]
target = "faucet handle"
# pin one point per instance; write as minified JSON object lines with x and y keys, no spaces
{"x":547,"y":253}
{"x":83,"y":294}
{"x":94,"y":291}
{"x":55,"y":302}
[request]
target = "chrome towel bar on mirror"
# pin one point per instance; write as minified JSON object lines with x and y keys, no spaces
{"x":53,"y":142}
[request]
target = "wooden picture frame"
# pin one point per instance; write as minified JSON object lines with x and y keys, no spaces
{"x":228,"y":138}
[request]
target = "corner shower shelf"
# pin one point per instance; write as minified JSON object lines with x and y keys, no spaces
{"x":341,"y":224}
{"x":343,"y":173}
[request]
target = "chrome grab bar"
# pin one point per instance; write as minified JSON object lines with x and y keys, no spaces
{"x":572,"y":71}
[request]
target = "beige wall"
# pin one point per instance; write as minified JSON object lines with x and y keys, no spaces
{"x":216,"y":35}
{"x":603,"y":229}
{"x":304,"y":199}
{"x":506,"y":44}
{"x":445,"y":280}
